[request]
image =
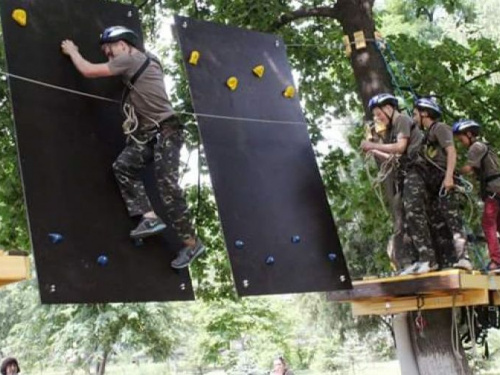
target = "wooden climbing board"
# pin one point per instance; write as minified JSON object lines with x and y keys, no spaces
{"x":436,"y":290}
{"x":13,"y":268}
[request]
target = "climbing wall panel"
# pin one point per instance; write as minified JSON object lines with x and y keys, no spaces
{"x":67,"y":143}
{"x":277,"y":224}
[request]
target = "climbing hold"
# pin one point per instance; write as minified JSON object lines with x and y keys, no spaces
{"x":194,"y":57}
{"x":19,"y":15}
{"x":102,"y":260}
{"x":239,"y":244}
{"x":295,"y":239}
{"x":342,"y":278}
{"x":270,"y":260}
{"x":289,"y":92}
{"x":232,"y":83}
{"x":246,"y":283}
{"x":259,"y":70}
{"x":182,"y":286}
{"x":55,"y":237}
{"x":332,"y":256}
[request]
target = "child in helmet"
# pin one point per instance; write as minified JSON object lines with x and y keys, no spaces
{"x":403,"y":138}
{"x":440,"y":159}
{"x":484,"y":163}
{"x":154,"y":136}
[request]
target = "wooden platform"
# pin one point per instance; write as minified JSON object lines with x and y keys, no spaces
{"x":436,"y":290}
{"x":13,"y":268}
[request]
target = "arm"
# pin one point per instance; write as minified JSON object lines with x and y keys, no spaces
{"x":379,"y":155}
{"x":466,"y":169}
{"x":86,"y":68}
{"x":451,"y":160}
{"x":390,"y":148}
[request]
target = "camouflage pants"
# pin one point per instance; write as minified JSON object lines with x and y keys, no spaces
{"x":163,"y":150}
{"x":445,"y":218}
{"x":416,"y":222}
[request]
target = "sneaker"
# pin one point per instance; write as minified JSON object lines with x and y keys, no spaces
{"x":187,"y":255}
{"x":463,"y":264}
{"x":426,"y":267}
{"x":493,"y":268}
{"x":148,"y":227}
{"x":410,"y":270}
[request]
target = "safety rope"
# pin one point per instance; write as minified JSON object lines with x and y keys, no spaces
{"x":193,"y":114}
{"x":472,"y":331}
{"x":455,"y":336}
{"x":387,"y":167}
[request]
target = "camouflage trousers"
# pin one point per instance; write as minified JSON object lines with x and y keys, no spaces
{"x":162,"y":148}
{"x":445,"y":218}
{"x":418,"y":240}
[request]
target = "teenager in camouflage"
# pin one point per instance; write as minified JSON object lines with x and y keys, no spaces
{"x":154,"y":135}
{"x":440,"y":159}
{"x":404,"y":139}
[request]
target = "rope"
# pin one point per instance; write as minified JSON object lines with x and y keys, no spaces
{"x":384,"y":171}
{"x":472,"y":330}
{"x":194,"y":114}
{"x":455,"y":336}
{"x":45,"y":84}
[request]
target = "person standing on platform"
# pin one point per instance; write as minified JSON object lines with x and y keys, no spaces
{"x":440,"y":156}
{"x":483,"y":161}
{"x":403,"y":139}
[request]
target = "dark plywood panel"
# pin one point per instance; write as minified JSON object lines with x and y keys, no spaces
{"x":66,"y":145}
{"x":266,"y":180}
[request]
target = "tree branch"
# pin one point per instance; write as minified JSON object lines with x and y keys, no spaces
{"x":324,"y":12}
{"x":485,"y":74}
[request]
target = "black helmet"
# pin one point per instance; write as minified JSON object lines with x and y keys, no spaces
{"x":115,"y":33}
{"x":382,"y":99}
{"x":6,"y":362}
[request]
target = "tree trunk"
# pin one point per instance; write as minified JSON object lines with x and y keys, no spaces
{"x":434,"y":353}
{"x":367,"y":64}
{"x":101,"y":366}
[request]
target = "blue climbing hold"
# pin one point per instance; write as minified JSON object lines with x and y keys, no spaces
{"x":239,"y":244}
{"x":270,"y":260}
{"x":332,"y":256}
{"x":55,"y":237}
{"x":102,"y":260}
{"x":295,"y":239}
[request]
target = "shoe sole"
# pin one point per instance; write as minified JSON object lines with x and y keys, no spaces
{"x":158,"y":229}
{"x":190,"y":261}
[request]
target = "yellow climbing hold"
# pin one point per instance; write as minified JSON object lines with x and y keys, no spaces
{"x":259,"y":71}
{"x":232,"y":83}
{"x":193,"y":59}
{"x":19,"y":15}
{"x":289,"y":92}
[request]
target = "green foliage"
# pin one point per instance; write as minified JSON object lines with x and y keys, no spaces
{"x":13,"y":228}
{"x":309,"y":330}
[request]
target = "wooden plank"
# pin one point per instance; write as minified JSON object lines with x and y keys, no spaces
{"x":473,"y":281}
{"x":409,"y":285}
{"x":404,"y":304}
{"x":493,"y":282}
{"x":13,"y":268}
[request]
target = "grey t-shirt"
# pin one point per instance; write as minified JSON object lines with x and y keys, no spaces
{"x":402,"y":127}
{"x":488,"y":167}
{"x":148,"y":97}
{"x":439,"y":137}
